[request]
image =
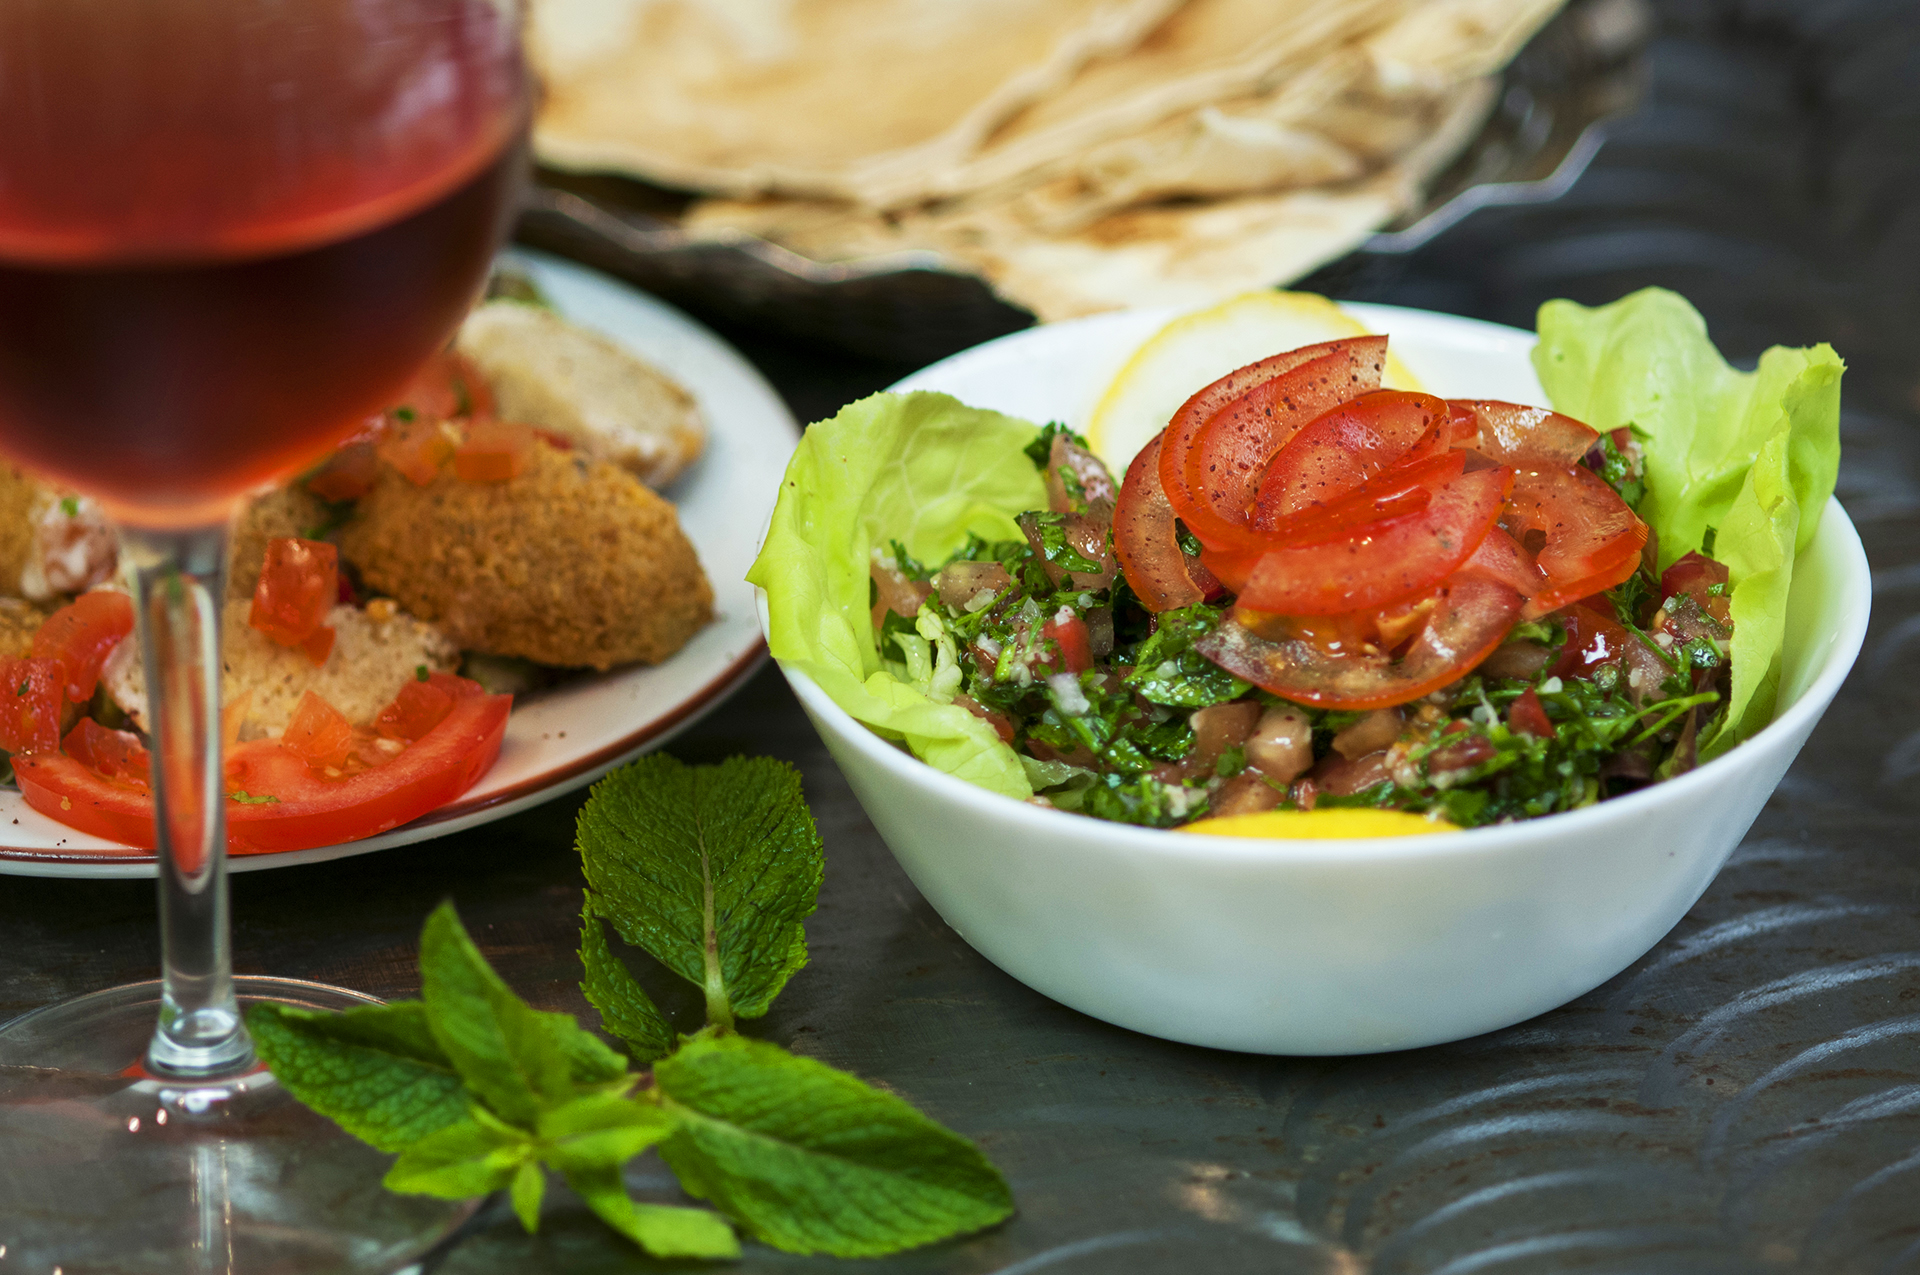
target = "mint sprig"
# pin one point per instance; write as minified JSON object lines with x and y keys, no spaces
{"x":712,"y":871}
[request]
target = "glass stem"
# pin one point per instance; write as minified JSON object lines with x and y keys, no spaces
{"x":179,"y":579}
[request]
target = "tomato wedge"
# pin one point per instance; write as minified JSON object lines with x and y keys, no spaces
{"x":307,"y":811}
{"x":1144,"y":538}
{"x":1341,"y":450}
{"x":1525,"y":437}
{"x":1219,"y":443}
{"x":1471,"y":617}
{"x":1373,"y":564}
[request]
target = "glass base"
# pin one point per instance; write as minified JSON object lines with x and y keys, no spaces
{"x":107,"y":1168}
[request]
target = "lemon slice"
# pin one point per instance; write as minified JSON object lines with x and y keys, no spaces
{"x":1197,"y":349}
{"x":1319,"y":825}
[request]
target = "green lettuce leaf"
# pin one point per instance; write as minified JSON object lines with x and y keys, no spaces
{"x":1752,"y":454}
{"x":923,"y":469}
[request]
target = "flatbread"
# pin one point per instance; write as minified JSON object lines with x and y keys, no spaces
{"x":812,"y":97}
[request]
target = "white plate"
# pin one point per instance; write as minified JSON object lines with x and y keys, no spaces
{"x":570,"y":735}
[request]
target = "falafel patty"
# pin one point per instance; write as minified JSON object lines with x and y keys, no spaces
{"x":572,"y":563}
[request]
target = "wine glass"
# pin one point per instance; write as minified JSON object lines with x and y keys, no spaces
{"x":229,"y":231}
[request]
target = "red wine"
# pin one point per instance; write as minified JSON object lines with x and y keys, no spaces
{"x":230,"y":229}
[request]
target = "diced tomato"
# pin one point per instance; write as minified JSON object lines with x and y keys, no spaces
{"x":1693,"y":576}
{"x":417,"y":448}
{"x":1593,"y":639}
{"x":115,"y":754}
{"x":1068,"y":632}
{"x":494,"y":451}
{"x":318,"y":732}
{"x":456,"y":686}
{"x":417,"y":709}
{"x":319,"y":645}
{"x":32,"y":697}
{"x":447,"y":385}
{"x":1526,"y":437}
{"x":1471,"y":617}
{"x":1219,"y":443}
{"x":348,"y":474}
{"x":299,"y":583}
{"x":81,"y":635}
{"x":1529,"y":716}
{"x":308,"y":810}
{"x":1374,"y":564}
{"x":1145,"y":540}
{"x":1343,"y":449}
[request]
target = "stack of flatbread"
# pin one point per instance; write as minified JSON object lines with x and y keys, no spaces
{"x":1081,"y":155}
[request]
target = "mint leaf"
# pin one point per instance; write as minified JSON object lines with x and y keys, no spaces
{"x":476,"y":1156}
{"x":661,"y":1229}
{"x":590,"y":1060}
{"x":376,"y":1072}
{"x":601,"y":1129}
{"x":529,"y":1188}
{"x":625,"y":1008}
{"x":711,"y":869}
{"x":502,"y":1047}
{"x":811,"y":1159}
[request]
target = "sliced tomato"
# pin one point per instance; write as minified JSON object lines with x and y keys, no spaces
{"x":32,"y":699}
{"x":306,"y":810}
{"x":1499,"y":558}
{"x":1343,"y":449}
{"x":1219,"y":443}
{"x":1374,"y":564}
{"x":299,"y":584}
{"x":1404,"y":489}
{"x":1588,"y":540}
{"x":494,"y":451}
{"x":1525,"y":437}
{"x":1145,"y":539}
{"x":81,"y":635}
{"x":1469,"y":619}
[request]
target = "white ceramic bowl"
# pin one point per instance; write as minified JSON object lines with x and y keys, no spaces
{"x":1328,"y":947}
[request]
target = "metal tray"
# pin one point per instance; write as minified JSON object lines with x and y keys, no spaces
{"x":1580,"y":71}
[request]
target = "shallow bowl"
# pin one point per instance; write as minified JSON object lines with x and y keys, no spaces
{"x":1328,"y":947}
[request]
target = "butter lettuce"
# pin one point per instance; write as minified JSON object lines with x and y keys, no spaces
{"x":925,"y":470}
{"x":1753,"y":455}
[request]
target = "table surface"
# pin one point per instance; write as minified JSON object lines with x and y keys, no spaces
{"x":1746,"y":1097}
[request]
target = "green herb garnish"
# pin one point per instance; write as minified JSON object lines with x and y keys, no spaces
{"x":248,"y":799}
{"x":711,"y":870}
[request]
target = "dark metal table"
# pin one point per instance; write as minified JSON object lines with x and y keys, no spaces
{"x":1745,"y":1098}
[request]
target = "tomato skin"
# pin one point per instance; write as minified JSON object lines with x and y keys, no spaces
{"x":494,"y":451}
{"x":299,"y":584}
{"x":1346,"y":447}
{"x":1240,"y":442}
{"x":81,"y":635}
{"x":32,"y":691}
{"x":310,"y":811}
{"x":1471,"y":618}
{"x":1377,"y":563}
{"x":1145,"y":541}
{"x":1070,"y":637}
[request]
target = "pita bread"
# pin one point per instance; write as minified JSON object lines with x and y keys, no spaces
{"x":803,"y":96}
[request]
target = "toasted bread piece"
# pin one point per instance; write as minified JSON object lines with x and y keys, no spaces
{"x":19,"y":621}
{"x":546,"y":372}
{"x":572,"y":563}
{"x":371,"y":659}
